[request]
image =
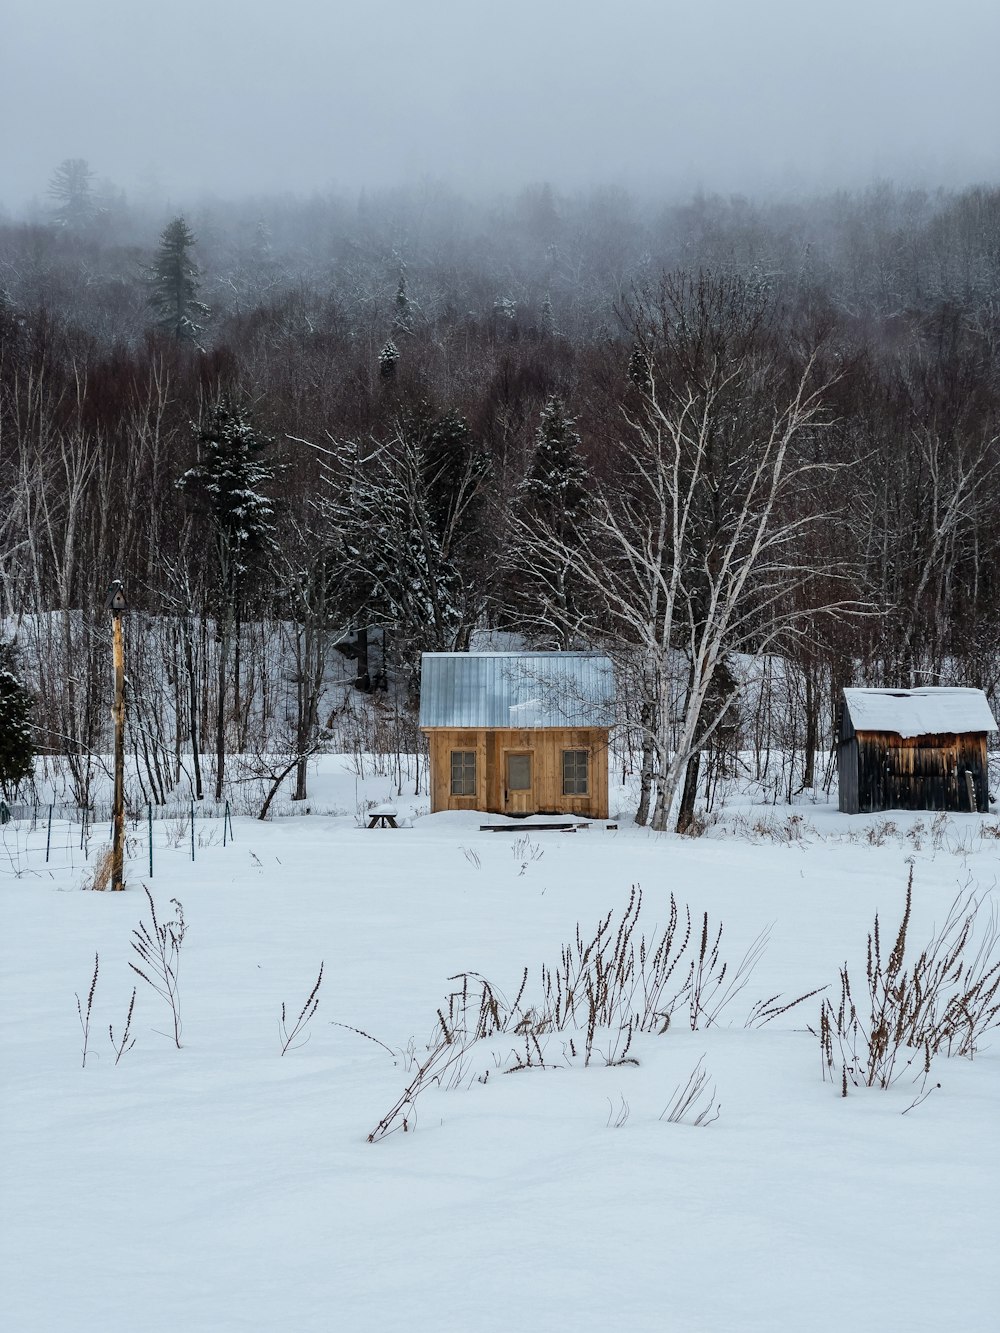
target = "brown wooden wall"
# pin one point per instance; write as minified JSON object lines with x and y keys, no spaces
{"x":545,"y":746}
{"x":883,"y":771}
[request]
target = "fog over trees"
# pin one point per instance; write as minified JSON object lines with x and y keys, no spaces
{"x":702,"y":435}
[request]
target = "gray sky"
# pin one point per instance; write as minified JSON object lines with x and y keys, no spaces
{"x":241,"y":96}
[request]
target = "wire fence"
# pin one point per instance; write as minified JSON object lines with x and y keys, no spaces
{"x":35,"y":812}
{"x":42,"y":839}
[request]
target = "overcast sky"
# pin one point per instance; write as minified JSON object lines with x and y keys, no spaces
{"x":243,"y":96}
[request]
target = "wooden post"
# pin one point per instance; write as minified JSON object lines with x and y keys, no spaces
{"x":116,"y":605}
{"x":970,"y":788}
{"x":118,"y":842}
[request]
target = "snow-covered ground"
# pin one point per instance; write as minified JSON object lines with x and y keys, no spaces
{"x":222,"y":1186}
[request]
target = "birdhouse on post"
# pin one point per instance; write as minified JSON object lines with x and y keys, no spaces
{"x":115,"y":599}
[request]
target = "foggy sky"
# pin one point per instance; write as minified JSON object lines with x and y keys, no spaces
{"x":242,"y":96}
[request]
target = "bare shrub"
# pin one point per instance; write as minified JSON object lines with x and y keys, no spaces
{"x":606,"y":988}
{"x":879,"y":833}
{"x":526,"y":851}
{"x":159,"y":953}
{"x":941,"y":1003}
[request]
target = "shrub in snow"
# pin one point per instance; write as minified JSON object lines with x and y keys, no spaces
{"x":941,"y":1003}
{"x":604,"y":990}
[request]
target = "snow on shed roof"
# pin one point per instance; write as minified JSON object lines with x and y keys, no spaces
{"x":921,"y":712}
{"x":523,"y":690}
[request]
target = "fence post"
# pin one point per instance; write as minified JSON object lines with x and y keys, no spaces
{"x":226,"y":821}
{"x":48,"y":837}
{"x":192,"y":830}
{"x":149,"y":820}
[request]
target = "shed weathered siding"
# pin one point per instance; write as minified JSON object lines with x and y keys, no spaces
{"x":884,"y":771}
{"x":545,"y":745}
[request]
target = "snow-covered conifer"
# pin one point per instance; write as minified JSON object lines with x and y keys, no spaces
{"x":388,"y":360}
{"x":17,"y":750}
{"x":230,"y":479}
{"x":230,"y":476}
{"x":555,"y":490}
{"x":173,"y":282}
{"x":640,"y":371}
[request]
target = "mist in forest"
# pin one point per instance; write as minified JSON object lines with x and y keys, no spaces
{"x":661,"y":97}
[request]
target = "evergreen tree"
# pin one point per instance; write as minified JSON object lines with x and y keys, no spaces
{"x":403,"y":321}
{"x":388,"y":360}
{"x":555,"y":515}
{"x":71,"y":188}
{"x":229,"y":477}
{"x":555,"y":491}
{"x":17,"y":751}
{"x":639,"y":370}
{"x":548,"y":317}
{"x":452,"y":471}
{"x":173,"y":283}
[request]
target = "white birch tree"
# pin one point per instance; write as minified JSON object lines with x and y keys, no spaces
{"x":699,"y":530}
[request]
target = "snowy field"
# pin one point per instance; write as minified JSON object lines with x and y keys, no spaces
{"x":221,"y":1186}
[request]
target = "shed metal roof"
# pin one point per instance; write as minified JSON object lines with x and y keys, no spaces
{"x":932,"y":709}
{"x":523,"y":690}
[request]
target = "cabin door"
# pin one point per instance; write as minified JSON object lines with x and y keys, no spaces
{"x":519,"y":782}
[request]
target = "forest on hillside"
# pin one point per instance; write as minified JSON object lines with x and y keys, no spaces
{"x":700,"y":436}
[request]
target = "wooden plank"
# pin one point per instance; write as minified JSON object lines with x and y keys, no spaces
{"x":531,"y":828}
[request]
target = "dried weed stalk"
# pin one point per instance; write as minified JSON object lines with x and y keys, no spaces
{"x":127,"y":1040}
{"x":941,"y":1004}
{"x":605,"y":989}
{"x":159,"y":952}
{"x":84,"y":1011}
{"x":291,"y":1040}
{"x":693,"y":1103}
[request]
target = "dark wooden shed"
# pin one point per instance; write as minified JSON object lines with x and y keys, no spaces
{"x":518,"y":733}
{"x":920,"y":749}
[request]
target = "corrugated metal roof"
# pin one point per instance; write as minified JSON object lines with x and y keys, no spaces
{"x":930,"y":710}
{"x":524,"y":690}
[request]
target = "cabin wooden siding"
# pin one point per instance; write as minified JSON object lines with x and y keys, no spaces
{"x":880,"y":770}
{"x":545,"y":745}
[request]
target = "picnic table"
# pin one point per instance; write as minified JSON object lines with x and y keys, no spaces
{"x":383,"y":816}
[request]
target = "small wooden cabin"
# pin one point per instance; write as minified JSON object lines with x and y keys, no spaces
{"x":518,"y":733}
{"x":913,"y":749}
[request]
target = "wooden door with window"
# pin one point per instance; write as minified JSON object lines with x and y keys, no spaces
{"x":519,"y":782}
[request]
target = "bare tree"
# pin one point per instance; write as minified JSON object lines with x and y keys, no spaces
{"x":698,"y":545}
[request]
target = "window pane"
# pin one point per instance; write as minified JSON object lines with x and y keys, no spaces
{"x":463,"y":772}
{"x":575,"y":772}
{"x":519,"y":772}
